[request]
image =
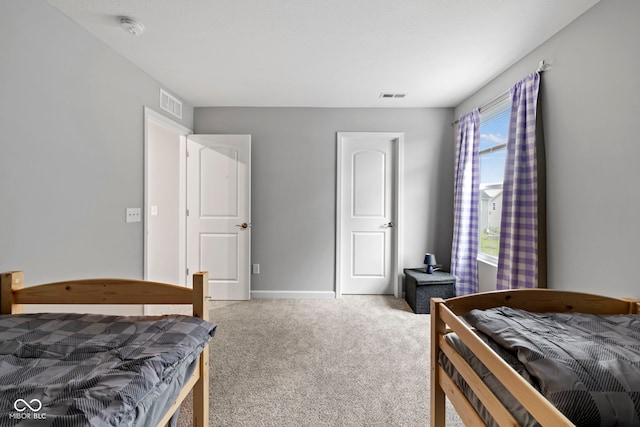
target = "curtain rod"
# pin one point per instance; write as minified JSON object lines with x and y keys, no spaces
{"x":542,"y":66}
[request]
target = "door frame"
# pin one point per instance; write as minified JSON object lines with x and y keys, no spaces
{"x":397,"y":209}
{"x":158,"y":118}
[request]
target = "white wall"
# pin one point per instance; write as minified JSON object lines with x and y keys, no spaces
{"x":71,"y":153}
{"x":294,"y":185}
{"x":591,"y":107}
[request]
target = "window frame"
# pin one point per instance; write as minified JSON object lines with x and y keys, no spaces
{"x":497,"y":106}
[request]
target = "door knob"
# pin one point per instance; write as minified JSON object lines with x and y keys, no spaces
{"x":390,"y":225}
{"x":243,"y":225}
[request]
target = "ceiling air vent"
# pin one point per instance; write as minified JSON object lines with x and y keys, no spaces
{"x":170,"y":103}
{"x":386,"y":95}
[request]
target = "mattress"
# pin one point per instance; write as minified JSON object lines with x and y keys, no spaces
{"x":94,"y":370}
{"x":588,"y":366}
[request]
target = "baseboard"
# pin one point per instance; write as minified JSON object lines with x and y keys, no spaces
{"x":293,"y":294}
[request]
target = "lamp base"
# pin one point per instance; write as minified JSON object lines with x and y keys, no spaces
{"x":429,"y":269}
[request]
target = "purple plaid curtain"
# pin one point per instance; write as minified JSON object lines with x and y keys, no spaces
{"x":466,"y":185}
{"x":518,"y":259}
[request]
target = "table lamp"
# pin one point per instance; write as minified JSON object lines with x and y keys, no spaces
{"x":430,"y":261}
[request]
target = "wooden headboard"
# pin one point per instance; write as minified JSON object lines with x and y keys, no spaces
{"x":13,"y":293}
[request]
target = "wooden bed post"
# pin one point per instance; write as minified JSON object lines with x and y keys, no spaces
{"x":633,"y":305}
{"x":11,"y":282}
{"x":201,"y":388}
{"x":437,"y":394}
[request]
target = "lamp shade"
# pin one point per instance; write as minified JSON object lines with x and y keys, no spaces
{"x":430,"y":259}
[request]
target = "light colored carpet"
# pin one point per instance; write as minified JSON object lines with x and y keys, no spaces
{"x":354,"y":361}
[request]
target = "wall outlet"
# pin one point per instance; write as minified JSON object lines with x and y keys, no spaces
{"x":134,"y":215}
{"x":256,"y":269}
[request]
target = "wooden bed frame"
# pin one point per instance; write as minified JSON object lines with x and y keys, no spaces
{"x":444,"y":320}
{"x":13,"y":295}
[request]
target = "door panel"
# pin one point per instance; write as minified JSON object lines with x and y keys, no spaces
{"x":367,"y":214}
{"x":219,"y":202}
{"x":219,"y":255}
{"x":369,"y":254}
{"x":219,"y":182}
{"x":369,"y":177}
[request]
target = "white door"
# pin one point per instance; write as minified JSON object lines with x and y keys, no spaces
{"x":165,"y":199}
{"x":219,"y":212}
{"x":367,"y":214}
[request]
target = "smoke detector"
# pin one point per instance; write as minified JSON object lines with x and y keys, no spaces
{"x":131,"y":25}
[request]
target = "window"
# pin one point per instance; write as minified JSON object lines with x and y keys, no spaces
{"x":494,"y":130}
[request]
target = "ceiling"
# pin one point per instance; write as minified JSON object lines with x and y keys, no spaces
{"x":324,"y":53}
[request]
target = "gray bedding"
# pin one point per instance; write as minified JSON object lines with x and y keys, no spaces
{"x":520,"y":414}
{"x":588,"y":366}
{"x":94,"y":370}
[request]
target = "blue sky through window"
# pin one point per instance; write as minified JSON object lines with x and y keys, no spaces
{"x":493,"y":132}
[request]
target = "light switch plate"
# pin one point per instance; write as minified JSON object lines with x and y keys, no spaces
{"x":134,"y":215}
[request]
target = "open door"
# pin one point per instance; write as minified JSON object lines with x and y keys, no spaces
{"x":219,"y":213}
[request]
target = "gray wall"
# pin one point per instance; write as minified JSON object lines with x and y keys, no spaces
{"x":71,"y":158}
{"x":72,"y":152}
{"x":591,"y":108}
{"x":294,"y":185}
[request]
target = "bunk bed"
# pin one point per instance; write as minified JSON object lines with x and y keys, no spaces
{"x":499,"y":357}
{"x":99,"y":370}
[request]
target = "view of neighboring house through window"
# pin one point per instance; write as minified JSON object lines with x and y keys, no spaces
{"x":494,"y":130}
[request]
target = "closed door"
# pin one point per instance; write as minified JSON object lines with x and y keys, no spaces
{"x":367,"y":261}
{"x":219,"y":212}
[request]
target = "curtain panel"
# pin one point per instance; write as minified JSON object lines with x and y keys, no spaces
{"x":520,"y":255}
{"x":464,"y":251}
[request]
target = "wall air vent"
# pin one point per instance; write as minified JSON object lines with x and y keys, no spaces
{"x":386,"y":95}
{"x":170,"y":103}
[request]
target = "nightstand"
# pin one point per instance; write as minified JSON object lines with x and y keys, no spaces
{"x":420,"y":287}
